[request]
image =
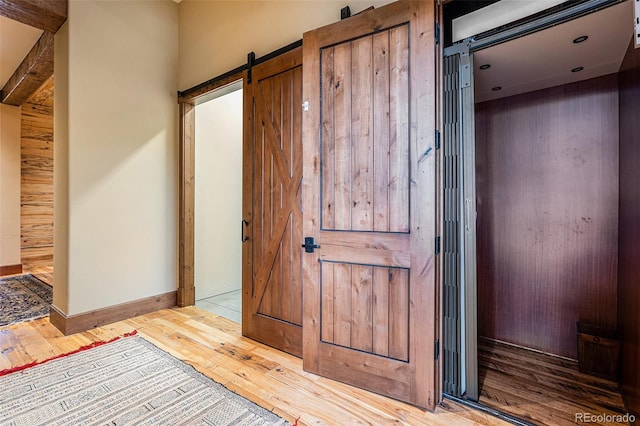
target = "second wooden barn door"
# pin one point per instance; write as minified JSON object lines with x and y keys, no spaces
{"x":370,"y":296}
{"x":272,"y":264}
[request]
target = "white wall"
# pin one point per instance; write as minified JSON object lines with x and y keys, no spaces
{"x":9,"y":185}
{"x":116,"y":153}
{"x":216,"y":36}
{"x":218,"y":195}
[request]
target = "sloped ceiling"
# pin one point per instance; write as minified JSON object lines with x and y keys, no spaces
{"x":16,"y":40}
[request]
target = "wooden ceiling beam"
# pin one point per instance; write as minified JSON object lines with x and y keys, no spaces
{"x":34,"y":70}
{"x":47,"y":15}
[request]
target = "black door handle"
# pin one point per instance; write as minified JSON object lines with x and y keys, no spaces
{"x":243,"y":224}
{"x":309,"y":245}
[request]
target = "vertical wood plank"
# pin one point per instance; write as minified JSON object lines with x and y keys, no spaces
{"x":423,"y":216}
{"x":399,"y":130}
{"x":287,"y":120}
{"x":361,"y":308}
{"x":287,"y":255}
{"x":381,"y":312}
{"x":328,"y":181}
{"x":342,"y":131}
{"x":258,"y":186}
{"x":399,"y":313}
{"x":36,"y":183}
{"x":276,"y":284}
{"x":269,"y":188}
{"x":311,"y":203}
{"x":327,"y":284}
{"x":342,"y":304}
{"x":249,"y":178}
{"x":361,"y":136}
{"x":186,"y":250}
{"x":277,"y":109}
{"x":296,"y":140}
{"x":381,"y":90}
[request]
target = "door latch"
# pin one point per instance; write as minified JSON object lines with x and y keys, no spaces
{"x":243,"y":236}
{"x":309,"y":245}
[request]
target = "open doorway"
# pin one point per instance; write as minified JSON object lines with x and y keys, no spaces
{"x":218,"y":203}
{"x":535,"y":155}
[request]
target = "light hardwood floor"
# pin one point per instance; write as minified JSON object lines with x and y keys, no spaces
{"x":43,"y":273}
{"x":540,"y":388}
{"x":214,"y":346}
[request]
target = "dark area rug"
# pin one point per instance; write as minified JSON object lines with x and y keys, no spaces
{"x":23,"y":298}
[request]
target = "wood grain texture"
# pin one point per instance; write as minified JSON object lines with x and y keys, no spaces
{"x":365,"y":101}
{"x":547,"y":184}
{"x":539,"y":388}
{"x":43,"y":273}
{"x":47,"y":15}
{"x":10,"y":270}
{"x":36,"y":195}
{"x":273,"y":379}
{"x":31,"y":74}
{"x":629,"y":241}
{"x":366,"y":308}
{"x":355,"y":163}
{"x":72,"y":324}
{"x":44,"y":95}
{"x":272,"y":169}
{"x":186,"y":226}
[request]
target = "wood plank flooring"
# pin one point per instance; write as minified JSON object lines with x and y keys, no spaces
{"x":539,"y":388}
{"x":43,"y":273}
{"x":214,"y":346}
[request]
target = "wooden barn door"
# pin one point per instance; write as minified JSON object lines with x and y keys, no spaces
{"x":370,"y":299}
{"x":272,"y":205}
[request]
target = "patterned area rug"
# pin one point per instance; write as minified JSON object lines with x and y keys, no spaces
{"x":126,"y":382}
{"x":23,"y":298}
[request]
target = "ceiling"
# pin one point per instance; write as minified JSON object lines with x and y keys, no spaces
{"x":546,"y":58}
{"x":539,"y":60}
{"x":16,"y":40}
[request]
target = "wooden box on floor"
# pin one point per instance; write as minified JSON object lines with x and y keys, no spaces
{"x":598,"y":351}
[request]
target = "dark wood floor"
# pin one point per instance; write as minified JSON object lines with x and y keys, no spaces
{"x":539,"y":388}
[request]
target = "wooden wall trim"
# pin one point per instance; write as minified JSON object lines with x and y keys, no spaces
{"x":186,"y":237}
{"x":46,"y":15}
{"x":31,"y":74}
{"x":10,"y":270}
{"x":201,"y":92}
{"x":71,"y":324}
{"x":186,"y":255}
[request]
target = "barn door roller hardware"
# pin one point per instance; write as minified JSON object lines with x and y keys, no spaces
{"x":251,"y":59}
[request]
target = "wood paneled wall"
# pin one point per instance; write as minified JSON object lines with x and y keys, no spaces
{"x":629,"y":248}
{"x":547,"y":181}
{"x":37,"y":180}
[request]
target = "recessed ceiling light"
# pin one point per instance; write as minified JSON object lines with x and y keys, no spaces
{"x":577,"y":69}
{"x":580,"y":39}
{"x":485,"y":66}
{"x":495,"y":89}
